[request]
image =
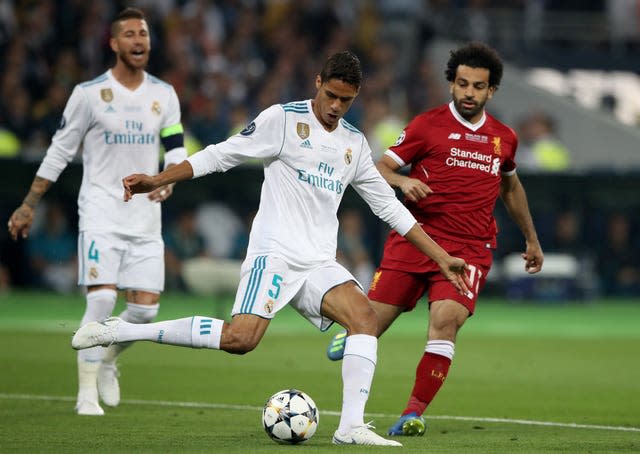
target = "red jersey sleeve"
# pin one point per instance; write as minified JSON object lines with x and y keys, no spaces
{"x":509,"y":164}
{"x":410,"y":146}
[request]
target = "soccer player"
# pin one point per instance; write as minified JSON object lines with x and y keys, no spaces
{"x":310,"y":155}
{"x":461,"y":159}
{"x":119,"y":119}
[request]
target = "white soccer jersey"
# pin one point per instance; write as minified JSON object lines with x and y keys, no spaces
{"x":306,"y":171}
{"x":119,"y":131}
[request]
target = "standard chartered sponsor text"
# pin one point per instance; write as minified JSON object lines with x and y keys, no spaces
{"x":457,"y":152}
{"x":473,"y":160}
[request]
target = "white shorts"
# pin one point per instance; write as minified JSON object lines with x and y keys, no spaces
{"x":128,"y":262}
{"x":268,"y":283}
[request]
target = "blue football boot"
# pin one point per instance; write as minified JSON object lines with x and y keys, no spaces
{"x":335,"y":350}
{"x":409,"y":425}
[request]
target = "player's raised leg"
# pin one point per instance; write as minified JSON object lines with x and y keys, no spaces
{"x":240,"y":336}
{"x":194,"y":332}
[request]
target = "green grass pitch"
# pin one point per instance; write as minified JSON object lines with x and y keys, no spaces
{"x":525,"y":379}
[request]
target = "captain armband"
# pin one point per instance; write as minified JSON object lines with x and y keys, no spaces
{"x":172,"y":137}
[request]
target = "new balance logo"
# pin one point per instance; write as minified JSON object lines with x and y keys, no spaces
{"x":306,"y":144}
{"x":455,"y":136}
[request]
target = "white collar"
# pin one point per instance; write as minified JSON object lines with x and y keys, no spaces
{"x":465,"y":123}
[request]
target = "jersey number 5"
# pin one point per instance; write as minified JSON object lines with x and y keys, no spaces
{"x":275,"y":291}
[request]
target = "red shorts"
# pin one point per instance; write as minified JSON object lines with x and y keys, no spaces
{"x":403,"y":286}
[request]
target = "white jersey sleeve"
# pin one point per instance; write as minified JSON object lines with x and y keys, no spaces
{"x":263,"y":138}
{"x":172,"y":125}
{"x":76,"y":119}
{"x":374,"y":189}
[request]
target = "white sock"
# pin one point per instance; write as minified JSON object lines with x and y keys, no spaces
{"x":441,"y":347}
{"x":100,"y":304}
{"x":134,"y":313}
{"x":139,"y":313}
{"x":358,"y":366}
{"x":195,"y":332}
{"x":87,"y":380}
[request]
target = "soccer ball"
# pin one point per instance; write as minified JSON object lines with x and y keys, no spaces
{"x":290,"y":417}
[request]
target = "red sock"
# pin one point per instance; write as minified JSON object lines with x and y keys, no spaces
{"x":430,"y":374}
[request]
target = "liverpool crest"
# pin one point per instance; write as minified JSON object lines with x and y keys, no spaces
{"x":497,"y":147}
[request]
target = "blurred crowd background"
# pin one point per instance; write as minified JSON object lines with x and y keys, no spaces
{"x":230,"y":59}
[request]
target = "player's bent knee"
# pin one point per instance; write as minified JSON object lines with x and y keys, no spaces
{"x":142,"y":297}
{"x":347,"y":305}
{"x":238,"y":342}
{"x":368,"y":325}
{"x":361,"y":319}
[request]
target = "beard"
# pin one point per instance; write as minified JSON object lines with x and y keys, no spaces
{"x":465,"y":112}
{"x":134,"y":64}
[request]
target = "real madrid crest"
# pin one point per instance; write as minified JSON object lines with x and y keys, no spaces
{"x":303,"y":130}
{"x":268,"y":306}
{"x":106,"y":94}
{"x":348,"y":156}
{"x":155,"y":108}
{"x":93,"y":273}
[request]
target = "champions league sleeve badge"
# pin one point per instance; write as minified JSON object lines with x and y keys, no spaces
{"x":249,"y":129}
{"x":400,"y":139}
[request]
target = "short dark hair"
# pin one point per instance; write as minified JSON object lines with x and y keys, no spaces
{"x":125,"y":14}
{"x":476,"y":55}
{"x":344,"y":66}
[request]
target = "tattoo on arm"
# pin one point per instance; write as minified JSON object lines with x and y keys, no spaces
{"x":38,"y":188}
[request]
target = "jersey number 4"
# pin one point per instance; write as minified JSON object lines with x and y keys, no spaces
{"x":94,"y":254}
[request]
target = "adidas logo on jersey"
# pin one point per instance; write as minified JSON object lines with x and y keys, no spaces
{"x":455,"y":136}
{"x":306,"y":144}
{"x":109,"y":109}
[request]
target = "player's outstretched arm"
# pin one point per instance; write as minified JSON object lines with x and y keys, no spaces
{"x":139,"y":183}
{"x":453,"y":268}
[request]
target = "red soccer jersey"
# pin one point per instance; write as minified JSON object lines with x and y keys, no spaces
{"x":463,"y":164}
